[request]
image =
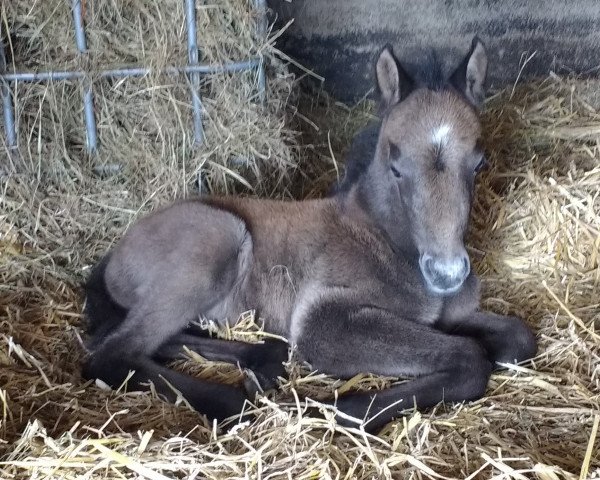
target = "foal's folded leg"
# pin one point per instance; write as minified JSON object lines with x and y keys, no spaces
{"x":264,"y":359}
{"x":131,"y":347}
{"x":505,"y":339}
{"x":343,"y":340}
{"x":215,"y":400}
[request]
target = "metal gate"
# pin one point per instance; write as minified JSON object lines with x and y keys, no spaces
{"x":194,"y":69}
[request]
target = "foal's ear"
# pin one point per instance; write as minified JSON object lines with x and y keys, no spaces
{"x":393,"y":82}
{"x":469,"y":77}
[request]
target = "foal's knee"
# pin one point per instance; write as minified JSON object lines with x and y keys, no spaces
{"x":472,"y":371}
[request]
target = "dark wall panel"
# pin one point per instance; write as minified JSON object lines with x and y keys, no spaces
{"x":338,"y":38}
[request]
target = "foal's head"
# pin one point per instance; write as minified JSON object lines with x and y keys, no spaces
{"x":426,"y":161}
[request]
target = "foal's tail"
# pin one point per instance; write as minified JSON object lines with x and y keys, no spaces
{"x":102,"y":313}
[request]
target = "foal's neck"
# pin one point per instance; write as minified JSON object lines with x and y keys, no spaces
{"x":372,"y":205}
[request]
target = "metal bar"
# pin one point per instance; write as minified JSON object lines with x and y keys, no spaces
{"x":131,"y":72}
{"x":41,"y":76}
{"x":7,"y":106}
{"x":202,"y":68}
{"x":88,"y":96}
{"x":261,"y":7}
{"x":190,"y":17}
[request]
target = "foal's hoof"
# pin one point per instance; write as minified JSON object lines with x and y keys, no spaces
{"x":263,"y":378}
{"x":520,"y":344}
{"x":111,"y":372}
{"x":265,"y":367}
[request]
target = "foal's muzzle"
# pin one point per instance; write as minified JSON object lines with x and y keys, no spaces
{"x":445,"y":275}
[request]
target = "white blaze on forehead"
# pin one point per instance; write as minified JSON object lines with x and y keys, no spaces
{"x":439,"y":136}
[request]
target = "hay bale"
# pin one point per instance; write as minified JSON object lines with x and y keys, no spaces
{"x":535,"y":240}
{"x":144,"y":124}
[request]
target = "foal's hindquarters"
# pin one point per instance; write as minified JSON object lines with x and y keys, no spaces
{"x":169,"y":269}
{"x":191,"y":260}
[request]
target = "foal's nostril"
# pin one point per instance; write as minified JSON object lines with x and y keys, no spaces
{"x":429,"y":263}
{"x":466,"y":266}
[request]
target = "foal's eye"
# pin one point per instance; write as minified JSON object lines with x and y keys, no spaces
{"x":481,"y":165}
{"x":395,"y":155}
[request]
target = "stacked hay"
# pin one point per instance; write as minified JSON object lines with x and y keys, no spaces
{"x":535,"y":240}
{"x":144,"y":124}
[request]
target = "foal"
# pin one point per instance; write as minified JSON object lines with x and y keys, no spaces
{"x":374,"y":279}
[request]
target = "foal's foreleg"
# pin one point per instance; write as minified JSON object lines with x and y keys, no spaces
{"x":506,"y":339}
{"x":343,"y":340}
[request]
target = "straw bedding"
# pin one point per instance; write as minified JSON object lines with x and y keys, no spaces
{"x":535,"y":240}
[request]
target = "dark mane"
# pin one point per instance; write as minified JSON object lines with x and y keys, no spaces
{"x":428,"y":72}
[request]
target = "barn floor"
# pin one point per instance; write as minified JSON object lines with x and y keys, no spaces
{"x":535,"y":241}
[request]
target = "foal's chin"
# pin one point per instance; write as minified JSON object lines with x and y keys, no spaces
{"x":444,"y":291}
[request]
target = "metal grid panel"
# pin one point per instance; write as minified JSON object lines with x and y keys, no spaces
{"x":193,"y":69}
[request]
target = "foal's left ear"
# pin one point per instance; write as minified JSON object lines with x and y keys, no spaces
{"x":469,"y":77}
{"x":393,"y":82}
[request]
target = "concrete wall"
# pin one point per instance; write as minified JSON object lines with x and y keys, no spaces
{"x":338,"y":38}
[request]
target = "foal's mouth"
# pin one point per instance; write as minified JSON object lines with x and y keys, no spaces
{"x":443,"y":291}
